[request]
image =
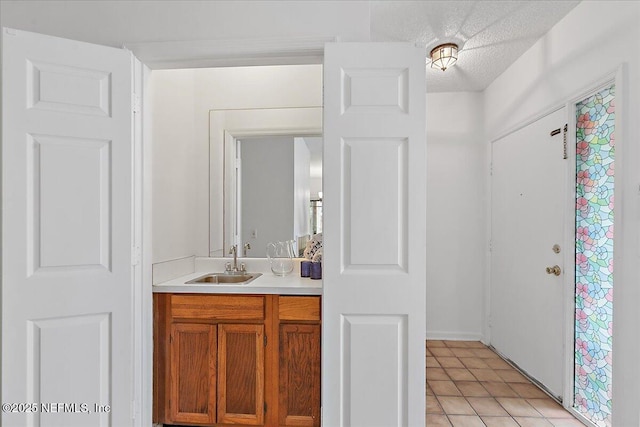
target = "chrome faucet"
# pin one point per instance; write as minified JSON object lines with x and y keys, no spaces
{"x":234,"y":251}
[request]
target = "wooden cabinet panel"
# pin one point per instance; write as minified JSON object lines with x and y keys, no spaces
{"x":218,"y":307}
{"x":299,"y":377}
{"x":241,"y":374}
{"x":193,"y":373}
{"x":299,"y":308}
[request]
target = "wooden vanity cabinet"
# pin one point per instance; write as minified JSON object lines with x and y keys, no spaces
{"x":243,"y":360}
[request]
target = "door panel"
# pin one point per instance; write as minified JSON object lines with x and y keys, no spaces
{"x":66,"y":229}
{"x":374,"y":235}
{"x":241,"y":374}
{"x":528,"y":213}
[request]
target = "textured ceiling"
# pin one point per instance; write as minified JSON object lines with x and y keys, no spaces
{"x":491,"y":34}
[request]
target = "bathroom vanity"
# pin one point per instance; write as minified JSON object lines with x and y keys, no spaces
{"x":237,"y":354}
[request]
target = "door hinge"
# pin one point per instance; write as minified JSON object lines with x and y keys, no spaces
{"x":265,"y":340}
{"x":490,"y":245}
{"x":135,"y":255}
{"x":564,"y":141}
{"x":171,"y":338}
{"x":135,"y":103}
{"x":491,"y":169}
{"x":265,"y":407}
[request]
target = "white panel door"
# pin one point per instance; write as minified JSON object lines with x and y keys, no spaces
{"x":528,"y":204}
{"x":374,"y":235}
{"x":67,"y":287}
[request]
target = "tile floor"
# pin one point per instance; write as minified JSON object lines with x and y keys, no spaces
{"x":469,"y":385}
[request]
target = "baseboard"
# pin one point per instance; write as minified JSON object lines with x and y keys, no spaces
{"x":454,"y":336}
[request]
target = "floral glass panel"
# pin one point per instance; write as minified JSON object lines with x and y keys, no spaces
{"x":595,"y":117}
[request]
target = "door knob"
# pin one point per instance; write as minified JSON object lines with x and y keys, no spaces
{"x":555,"y":270}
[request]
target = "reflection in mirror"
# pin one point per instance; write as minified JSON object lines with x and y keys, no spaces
{"x":298,"y":125}
{"x":278,"y":184}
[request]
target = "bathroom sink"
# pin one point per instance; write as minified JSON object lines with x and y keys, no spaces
{"x":224,"y":278}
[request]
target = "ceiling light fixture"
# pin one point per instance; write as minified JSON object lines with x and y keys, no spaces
{"x":444,"y":56}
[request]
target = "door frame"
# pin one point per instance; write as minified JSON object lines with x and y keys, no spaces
{"x":617,"y":77}
{"x":173,"y":55}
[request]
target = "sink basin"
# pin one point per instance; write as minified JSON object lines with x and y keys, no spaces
{"x":224,"y":278}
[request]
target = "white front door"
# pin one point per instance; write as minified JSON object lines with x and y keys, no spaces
{"x":527,"y":219}
{"x":67,"y":288}
{"x":374,"y":204}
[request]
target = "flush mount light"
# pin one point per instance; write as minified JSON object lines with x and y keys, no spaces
{"x":444,"y":56}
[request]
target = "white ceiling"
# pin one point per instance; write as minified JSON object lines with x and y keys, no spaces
{"x":491,"y":34}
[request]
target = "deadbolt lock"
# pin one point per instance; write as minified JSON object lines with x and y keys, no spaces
{"x":555,"y":270}
{"x":556,"y":248}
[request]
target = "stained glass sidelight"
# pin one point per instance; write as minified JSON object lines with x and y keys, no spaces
{"x":595,"y":117}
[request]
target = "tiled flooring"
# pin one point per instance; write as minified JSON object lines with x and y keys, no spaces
{"x":469,"y":385}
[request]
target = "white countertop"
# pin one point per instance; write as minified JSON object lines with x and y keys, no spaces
{"x":267,"y":283}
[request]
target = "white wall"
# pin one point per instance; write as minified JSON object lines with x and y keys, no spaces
{"x":592,"y":41}
{"x":456,"y":217}
{"x":173,"y":165}
{"x":115,"y":23}
{"x":185,"y":98}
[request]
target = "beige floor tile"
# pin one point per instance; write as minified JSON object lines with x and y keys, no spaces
{"x":436,"y":374}
{"x":518,"y":407}
{"x":484,"y":353}
{"x":444,"y":388}
{"x":471,"y":389}
{"x":434,"y":420}
{"x":456,"y":344}
{"x":463,"y":352}
{"x":528,"y":391}
{"x":441,"y":351}
{"x":435,"y":343}
{"x":455,"y":405}
{"x":449,"y":362}
{"x":487,"y":406}
{"x":512,"y":376}
{"x":460,"y":374}
{"x":497,"y":363}
{"x":474,"y":362}
{"x":466,"y":421}
{"x":429,"y":391}
{"x":499,"y":422}
{"x":433,"y":406}
{"x":429,"y":353}
{"x":432,"y":362}
{"x":499,"y":389}
{"x":532,"y":422}
{"x":488,"y":375}
{"x":549,"y":408}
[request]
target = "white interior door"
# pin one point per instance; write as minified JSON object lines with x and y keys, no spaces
{"x":374,"y":275}
{"x":67,"y":341}
{"x":527,"y":220}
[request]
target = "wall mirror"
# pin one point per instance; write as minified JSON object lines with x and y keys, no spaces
{"x":265,"y":177}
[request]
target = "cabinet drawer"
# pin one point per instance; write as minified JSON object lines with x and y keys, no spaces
{"x":218,"y":307}
{"x":299,"y":308}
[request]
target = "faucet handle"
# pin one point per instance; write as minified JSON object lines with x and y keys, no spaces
{"x":243,"y":268}
{"x":227,"y":267}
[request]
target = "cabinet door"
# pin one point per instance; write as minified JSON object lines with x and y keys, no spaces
{"x":241,"y":374}
{"x":193,"y":373}
{"x":299,"y":394}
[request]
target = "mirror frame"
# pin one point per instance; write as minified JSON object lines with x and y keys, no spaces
{"x":225,"y":126}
